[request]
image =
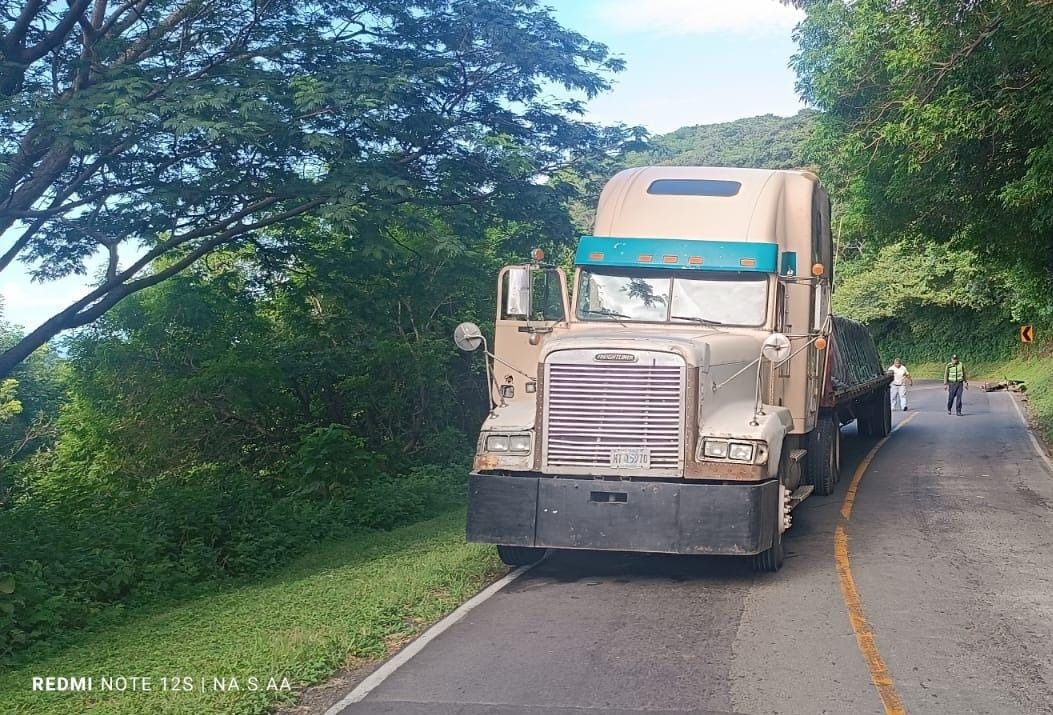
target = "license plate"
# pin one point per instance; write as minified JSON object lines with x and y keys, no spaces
{"x":630,"y":458}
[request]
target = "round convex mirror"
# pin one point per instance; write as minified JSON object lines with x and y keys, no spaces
{"x":467,"y":337}
{"x":776,"y":347}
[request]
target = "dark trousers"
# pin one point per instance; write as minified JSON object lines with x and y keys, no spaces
{"x":954,"y":392}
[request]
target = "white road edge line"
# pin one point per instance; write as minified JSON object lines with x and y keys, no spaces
{"x":1034,"y":440}
{"x":403,"y":656}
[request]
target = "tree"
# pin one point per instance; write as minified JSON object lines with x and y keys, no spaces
{"x":935,"y":123}
{"x":29,"y":405}
{"x":9,"y":405}
{"x":150,"y":129}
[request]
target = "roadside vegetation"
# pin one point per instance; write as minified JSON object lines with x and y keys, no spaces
{"x":342,"y":604}
{"x":282,"y":243}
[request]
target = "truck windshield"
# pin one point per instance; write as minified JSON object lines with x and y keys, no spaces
{"x":662,"y":296}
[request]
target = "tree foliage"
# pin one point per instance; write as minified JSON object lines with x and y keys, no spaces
{"x":936,"y":122}
{"x":764,"y":142}
{"x":153,"y":129}
{"x":30,"y":401}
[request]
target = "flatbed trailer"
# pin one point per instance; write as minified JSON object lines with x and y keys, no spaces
{"x":856,"y":385}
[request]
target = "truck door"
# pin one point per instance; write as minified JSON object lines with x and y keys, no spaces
{"x":531,"y":302}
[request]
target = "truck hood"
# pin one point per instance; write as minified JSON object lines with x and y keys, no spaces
{"x":707,"y":348}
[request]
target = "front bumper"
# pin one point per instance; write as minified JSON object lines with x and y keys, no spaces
{"x":659,"y":517}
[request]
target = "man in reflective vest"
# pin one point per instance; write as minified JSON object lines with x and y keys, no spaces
{"x":955,"y":380}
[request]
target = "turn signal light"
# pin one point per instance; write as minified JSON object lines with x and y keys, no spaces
{"x":817,"y":269}
{"x":538,"y":255}
{"x":820,"y":343}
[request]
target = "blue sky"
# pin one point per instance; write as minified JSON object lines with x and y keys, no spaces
{"x":688,"y":62}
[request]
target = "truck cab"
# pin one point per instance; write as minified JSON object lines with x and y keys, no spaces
{"x":669,"y":402}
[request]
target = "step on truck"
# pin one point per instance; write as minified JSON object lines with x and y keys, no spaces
{"x":689,"y":393}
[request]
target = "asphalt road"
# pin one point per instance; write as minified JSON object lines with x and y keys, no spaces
{"x":950,"y":547}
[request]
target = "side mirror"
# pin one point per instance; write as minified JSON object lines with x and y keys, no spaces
{"x":776,"y":347}
{"x":517,"y":298}
{"x":467,"y":337}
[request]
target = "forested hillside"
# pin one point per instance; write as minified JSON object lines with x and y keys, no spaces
{"x":768,"y":142}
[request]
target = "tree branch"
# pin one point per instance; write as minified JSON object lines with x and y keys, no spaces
{"x":57,"y":36}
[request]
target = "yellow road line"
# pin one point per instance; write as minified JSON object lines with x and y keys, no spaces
{"x":850,"y":495}
{"x":879,"y":673}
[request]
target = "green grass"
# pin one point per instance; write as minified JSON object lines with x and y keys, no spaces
{"x":934,"y":370}
{"x":343,"y":602}
{"x":1037,"y":373}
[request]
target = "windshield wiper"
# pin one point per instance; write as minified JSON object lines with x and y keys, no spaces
{"x":701,"y":321}
{"x":608,"y":313}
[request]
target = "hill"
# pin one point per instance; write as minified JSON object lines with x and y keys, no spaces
{"x":766,"y":141}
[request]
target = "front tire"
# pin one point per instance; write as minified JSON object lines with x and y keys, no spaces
{"x":824,"y":455}
{"x":770,"y":560}
{"x":520,"y":555}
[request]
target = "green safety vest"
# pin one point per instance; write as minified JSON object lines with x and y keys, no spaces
{"x":955,"y":373}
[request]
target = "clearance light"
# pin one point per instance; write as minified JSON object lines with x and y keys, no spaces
{"x":695,"y":260}
{"x":670,"y":259}
{"x":538,"y":255}
{"x":818,"y":270}
{"x":749,"y":262}
{"x":595,"y":256}
{"x":645,"y":259}
{"x":820,"y":343}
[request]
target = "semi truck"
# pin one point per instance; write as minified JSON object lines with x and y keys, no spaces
{"x":689,"y":392}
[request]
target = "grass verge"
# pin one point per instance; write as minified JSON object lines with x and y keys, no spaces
{"x":343,"y":601}
{"x":1037,"y":373}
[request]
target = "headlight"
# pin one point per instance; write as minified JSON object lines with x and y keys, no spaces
{"x":740,"y":451}
{"x":497,"y":443}
{"x":715,"y":448}
{"x":508,"y":443}
{"x":519,"y":443}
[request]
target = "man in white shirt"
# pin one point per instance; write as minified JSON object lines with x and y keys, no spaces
{"x":900,"y":379}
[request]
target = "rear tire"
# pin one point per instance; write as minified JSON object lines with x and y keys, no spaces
{"x":824,"y":455}
{"x":875,"y":418}
{"x":882,"y":425}
{"x":520,"y":555}
{"x":866,"y":418}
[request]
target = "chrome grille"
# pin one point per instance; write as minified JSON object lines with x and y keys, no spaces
{"x":594,"y":408}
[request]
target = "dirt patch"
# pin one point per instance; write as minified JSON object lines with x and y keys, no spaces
{"x":318,"y":698}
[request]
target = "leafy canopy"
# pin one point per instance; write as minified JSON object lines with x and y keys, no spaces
{"x":171,"y":128}
{"x":936,"y":122}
